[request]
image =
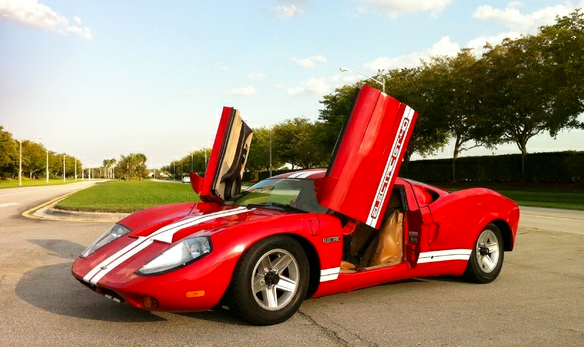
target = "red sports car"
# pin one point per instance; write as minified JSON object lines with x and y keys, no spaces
{"x":300,"y":235}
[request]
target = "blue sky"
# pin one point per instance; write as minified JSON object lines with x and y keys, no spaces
{"x":97,"y":79}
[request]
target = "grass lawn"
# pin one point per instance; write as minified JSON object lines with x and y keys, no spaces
{"x":563,"y":196}
{"x":124,"y":196}
{"x":33,"y":183}
{"x":127,"y":196}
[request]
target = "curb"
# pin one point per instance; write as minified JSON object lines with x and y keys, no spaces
{"x":47,"y":211}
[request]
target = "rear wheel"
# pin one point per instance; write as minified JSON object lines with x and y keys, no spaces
{"x":486,"y":258}
{"x":270,"y":281}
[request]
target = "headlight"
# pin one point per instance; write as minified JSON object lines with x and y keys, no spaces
{"x":179,"y":255}
{"x":112,"y":234}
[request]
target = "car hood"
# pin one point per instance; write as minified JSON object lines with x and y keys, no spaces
{"x":188,"y":219}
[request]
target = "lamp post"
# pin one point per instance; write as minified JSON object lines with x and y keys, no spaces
{"x":270,"y":151}
{"x":20,"y":165}
{"x":64,"y":177}
{"x":47,"y":175}
{"x":382,"y":82}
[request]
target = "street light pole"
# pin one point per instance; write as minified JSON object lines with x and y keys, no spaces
{"x":270,"y":151}
{"x":20,"y":165}
{"x":47,"y":175}
{"x":64,"y":177}
{"x":382,"y":82}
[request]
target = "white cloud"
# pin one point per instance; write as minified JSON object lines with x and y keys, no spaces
{"x":513,"y":19}
{"x":32,"y":14}
{"x":314,"y":86}
{"x":479,"y":43}
{"x":396,"y":7}
{"x":222,"y":67}
{"x":243,"y":91}
{"x":256,"y":75}
{"x":309,"y":62}
{"x":288,"y":11}
{"x":442,"y":47}
{"x":518,"y":23}
{"x":358,"y":12}
{"x":289,"y":8}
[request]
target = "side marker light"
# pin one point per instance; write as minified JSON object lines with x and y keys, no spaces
{"x":195,"y":294}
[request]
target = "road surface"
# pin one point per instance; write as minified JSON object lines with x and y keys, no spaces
{"x":536,"y":301}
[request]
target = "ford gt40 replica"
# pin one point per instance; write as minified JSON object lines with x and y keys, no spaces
{"x":304,"y":234}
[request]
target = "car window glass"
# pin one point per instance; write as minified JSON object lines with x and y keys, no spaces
{"x":298,"y":193}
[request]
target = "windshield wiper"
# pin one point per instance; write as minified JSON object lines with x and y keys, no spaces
{"x":278,"y":206}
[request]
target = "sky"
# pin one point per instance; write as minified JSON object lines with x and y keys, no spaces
{"x":100,"y":79}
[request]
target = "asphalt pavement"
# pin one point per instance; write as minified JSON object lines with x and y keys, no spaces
{"x":536,"y":301}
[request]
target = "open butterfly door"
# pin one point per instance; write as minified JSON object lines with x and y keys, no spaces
{"x":227,"y":161}
{"x":367,"y":157}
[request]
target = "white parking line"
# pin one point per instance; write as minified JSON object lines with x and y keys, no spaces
{"x":550,"y":217}
{"x":9,"y":204}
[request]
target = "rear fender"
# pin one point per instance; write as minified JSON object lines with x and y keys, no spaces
{"x":462,"y":215}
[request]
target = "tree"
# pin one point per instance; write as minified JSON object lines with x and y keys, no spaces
{"x":132,"y":166}
{"x":33,"y":158}
{"x":262,"y":148}
{"x":413,"y":87}
{"x":56,"y":164}
{"x":109,"y":168}
{"x":336,"y":109}
{"x":200,"y":158}
{"x":563,"y":48}
{"x":522,"y":98}
{"x":454,"y":86}
{"x":294,"y":143}
{"x":8,"y":153}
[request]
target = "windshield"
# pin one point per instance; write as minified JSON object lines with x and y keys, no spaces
{"x":287,"y":194}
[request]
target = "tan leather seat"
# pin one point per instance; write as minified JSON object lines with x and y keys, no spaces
{"x":388,"y":247}
{"x":376,"y":248}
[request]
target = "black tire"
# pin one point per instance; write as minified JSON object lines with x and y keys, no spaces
{"x":269,"y":281}
{"x":486,"y":259}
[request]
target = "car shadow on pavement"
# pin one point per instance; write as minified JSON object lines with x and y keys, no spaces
{"x":53,"y":288}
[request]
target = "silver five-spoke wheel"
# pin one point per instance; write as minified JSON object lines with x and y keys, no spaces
{"x":487,"y":251}
{"x":486,"y":258}
{"x":269,"y":281}
{"x":275,"y":279}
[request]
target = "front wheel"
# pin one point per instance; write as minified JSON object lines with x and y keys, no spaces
{"x":486,"y":258}
{"x":270,"y":281}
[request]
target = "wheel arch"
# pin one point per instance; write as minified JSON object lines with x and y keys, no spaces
{"x":313,"y":263}
{"x":311,"y":254}
{"x":506,"y":233}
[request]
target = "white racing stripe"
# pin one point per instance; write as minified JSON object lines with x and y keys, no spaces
{"x":105,"y":270}
{"x":332,"y":274}
{"x":451,"y":254}
{"x":397,"y":147}
{"x":329,"y":274}
{"x":306,"y":174}
{"x":164,"y":234}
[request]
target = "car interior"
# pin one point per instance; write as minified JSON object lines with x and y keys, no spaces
{"x":367,"y":247}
